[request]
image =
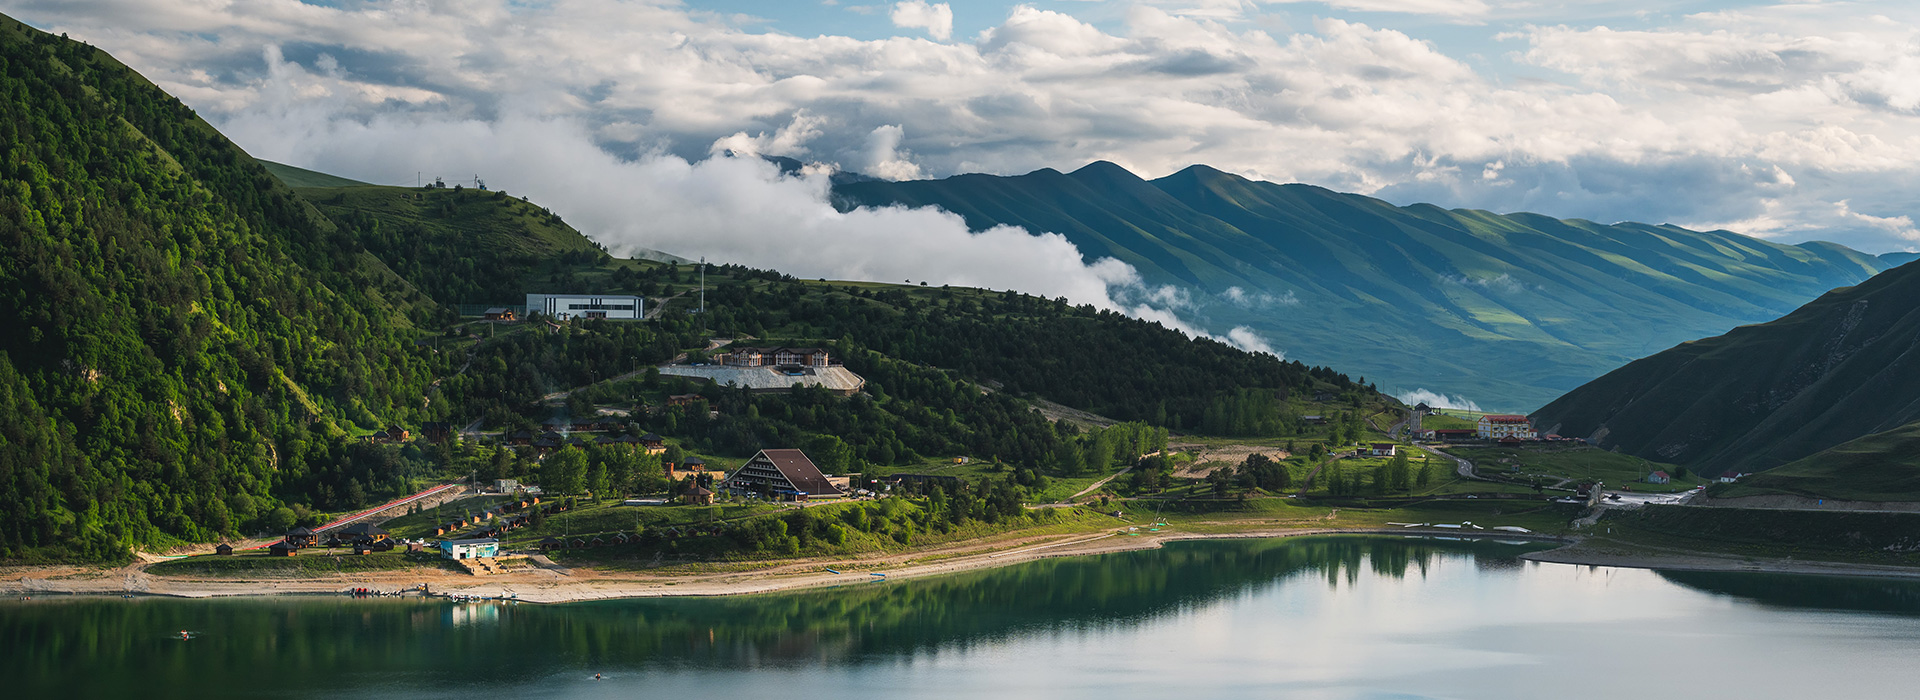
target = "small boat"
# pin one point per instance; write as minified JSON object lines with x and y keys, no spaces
{"x":831,"y":571}
{"x":879,"y":575}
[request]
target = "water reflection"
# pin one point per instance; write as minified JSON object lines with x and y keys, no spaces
{"x":1236,"y":617}
{"x":1808,"y":592}
{"x":59,"y":645}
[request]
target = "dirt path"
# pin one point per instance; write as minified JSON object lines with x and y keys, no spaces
{"x":1096,"y":485}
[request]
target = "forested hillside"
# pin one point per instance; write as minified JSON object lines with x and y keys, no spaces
{"x":1509,"y":310}
{"x":194,"y":351}
{"x":184,"y":336}
{"x":1760,"y":396}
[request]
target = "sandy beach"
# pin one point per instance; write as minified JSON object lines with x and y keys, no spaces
{"x":550,"y":583}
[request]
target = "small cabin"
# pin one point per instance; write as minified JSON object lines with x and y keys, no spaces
{"x":223,"y":549}
{"x":499,"y":313}
{"x":282,"y":549}
{"x":697,"y":496}
{"x":301,"y":537}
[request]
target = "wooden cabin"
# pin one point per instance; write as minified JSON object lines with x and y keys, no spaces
{"x":301,"y":537}
{"x":223,"y":549}
{"x":282,"y":549}
{"x":697,"y":496}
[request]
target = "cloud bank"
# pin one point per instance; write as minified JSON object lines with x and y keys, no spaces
{"x":1763,"y":119}
{"x":1436,"y":400}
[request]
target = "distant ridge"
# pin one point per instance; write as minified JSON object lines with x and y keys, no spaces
{"x":1510,"y":310}
{"x":302,"y":177}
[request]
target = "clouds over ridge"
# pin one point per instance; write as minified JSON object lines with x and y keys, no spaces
{"x":1763,"y":119}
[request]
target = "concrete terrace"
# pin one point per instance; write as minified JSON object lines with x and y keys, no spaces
{"x":834,"y":378}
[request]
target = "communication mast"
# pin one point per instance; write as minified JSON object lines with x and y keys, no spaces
{"x":703,"y":284}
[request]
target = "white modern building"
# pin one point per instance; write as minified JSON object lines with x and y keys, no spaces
{"x":572,"y":306}
{"x":470,"y":549}
{"x":1494,"y":426}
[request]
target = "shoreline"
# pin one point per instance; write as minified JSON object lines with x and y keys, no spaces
{"x":560,"y":585}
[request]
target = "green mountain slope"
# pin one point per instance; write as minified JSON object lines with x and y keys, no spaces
{"x":460,"y":246}
{"x":302,"y":177}
{"x":1838,"y":368}
{"x":1884,"y":466}
{"x":1508,"y":310}
{"x":186,"y":338}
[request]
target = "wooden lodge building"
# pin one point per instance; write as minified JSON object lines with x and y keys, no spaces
{"x":780,"y":474}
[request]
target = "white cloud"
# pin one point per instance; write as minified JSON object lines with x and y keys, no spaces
{"x":1503,"y":282}
{"x":1448,"y":8}
{"x":884,"y":158}
{"x":1258,"y":300}
{"x":1696,"y":121}
{"x":1436,"y":400}
{"x":936,"y":18}
{"x":1246,"y":339}
{"x":1901,"y":226}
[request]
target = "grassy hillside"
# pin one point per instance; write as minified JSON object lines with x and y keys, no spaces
{"x":1884,"y":466}
{"x":188,"y":341}
{"x":1761,"y":396}
{"x":302,"y":177}
{"x":461,"y":246}
{"x":1510,"y":310}
{"x":1552,"y":463}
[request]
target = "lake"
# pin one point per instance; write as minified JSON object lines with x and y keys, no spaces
{"x":1314,"y":617}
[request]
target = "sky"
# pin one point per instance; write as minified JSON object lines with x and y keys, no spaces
{"x":1790,"y":121}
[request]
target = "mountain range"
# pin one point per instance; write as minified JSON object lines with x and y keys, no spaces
{"x":1506,"y":310}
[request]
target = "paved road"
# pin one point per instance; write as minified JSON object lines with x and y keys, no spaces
{"x":1406,"y":427}
{"x":1460,"y":465}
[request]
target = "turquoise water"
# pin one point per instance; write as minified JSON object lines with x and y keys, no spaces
{"x":1326,"y":617}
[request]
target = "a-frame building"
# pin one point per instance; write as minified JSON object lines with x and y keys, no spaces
{"x":780,"y":474}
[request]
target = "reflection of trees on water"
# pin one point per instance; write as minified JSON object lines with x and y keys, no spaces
{"x":1802,"y":592}
{"x":284,"y":643}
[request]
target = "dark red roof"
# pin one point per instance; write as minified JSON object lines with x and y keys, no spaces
{"x":799,"y":470}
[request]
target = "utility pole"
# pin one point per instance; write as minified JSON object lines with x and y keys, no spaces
{"x":417,"y":180}
{"x":703,"y":284}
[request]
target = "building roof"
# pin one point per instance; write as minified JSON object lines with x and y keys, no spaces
{"x":497,"y":310}
{"x":799,"y":471}
{"x":482,"y":540}
{"x":1504,"y":418}
{"x":651,"y":437}
{"x":301,"y":531}
{"x":1662,"y":475}
{"x":691,"y":459}
{"x":1382,"y":445}
{"x":363,"y":529}
{"x":698,"y":490}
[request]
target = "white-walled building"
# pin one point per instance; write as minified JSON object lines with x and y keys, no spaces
{"x":470,"y":549}
{"x":1495,"y":426}
{"x":572,"y":306}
